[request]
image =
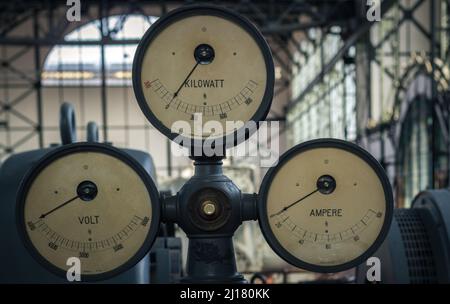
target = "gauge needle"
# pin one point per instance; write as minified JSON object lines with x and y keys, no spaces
{"x":60,"y":206}
{"x":184,"y":81}
{"x":294,"y":203}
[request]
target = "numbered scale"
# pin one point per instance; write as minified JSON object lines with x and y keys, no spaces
{"x":89,"y":201}
{"x":204,"y":61}
{"x":326,"y":207}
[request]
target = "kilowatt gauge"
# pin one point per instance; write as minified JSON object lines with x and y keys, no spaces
{"x":206,"y":61}
{"x":92,"y":202}
{"x":326,"y":207}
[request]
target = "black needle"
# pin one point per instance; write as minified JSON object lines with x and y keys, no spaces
{"x":325,"y":184}
{"x":203,"y":54}
{"x":294,"y":203}
{"x":184,"y":81}
{"x":56,"y":208}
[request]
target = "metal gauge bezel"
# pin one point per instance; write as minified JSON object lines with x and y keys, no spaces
{"x":77,"y":148}
{"x":263,"y":217}
{"x":209,"y":10}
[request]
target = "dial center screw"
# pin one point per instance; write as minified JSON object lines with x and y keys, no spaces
{"x":87,"y":191}
{"x":204,"y":54}
{"x":326,"y":184}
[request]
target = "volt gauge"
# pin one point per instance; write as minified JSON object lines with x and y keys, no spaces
{"x":207,"y":61}
{"x":89,"y":201}
{"x":326,"y":207}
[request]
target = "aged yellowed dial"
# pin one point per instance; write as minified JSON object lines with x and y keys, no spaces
{"x":92,"y":202}
{"x":326,"y":206}
{"x":203,"y":62}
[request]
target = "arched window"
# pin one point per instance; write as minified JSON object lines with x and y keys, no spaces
{"x":72,"y":72}
{"x":413,"y":155}
{"x":81,"y":64}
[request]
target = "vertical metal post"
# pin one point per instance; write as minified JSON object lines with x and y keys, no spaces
{"x":363,"y":58}
{"x":382,"y":149}
{"x":101,"y":9}
{"x":50,"y":17}
{"x":169,"y":157}
{"x":38,"y":82}
{"x":433,"y":148}
{"x":447,"y":96}
{"x":344,"y":103}
{"x":418,"y":114}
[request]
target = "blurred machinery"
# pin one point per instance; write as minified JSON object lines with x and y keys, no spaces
{"x":417,"y":249}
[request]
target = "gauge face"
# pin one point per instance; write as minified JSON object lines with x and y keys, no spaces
{"x":203,"y":62}
{"x":326,"y":206}
{"x":92,"y":202}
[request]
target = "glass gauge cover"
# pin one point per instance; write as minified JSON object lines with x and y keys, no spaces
{"x":204,"y":65}
{"x":326,"y":206}
{"x":92,"y":202}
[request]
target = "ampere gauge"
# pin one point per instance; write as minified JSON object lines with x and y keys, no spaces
{"x":92,"y":202}
{"x":326,"y":206}
{"x":207,"y":62}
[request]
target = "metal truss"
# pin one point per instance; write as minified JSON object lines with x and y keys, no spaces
{"x":278,"y":20}
{"x":400,"y":76}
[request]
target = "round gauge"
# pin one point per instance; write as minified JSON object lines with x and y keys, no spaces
{"x":203,"y":66}
{"x":326,"y":207}
{"x":92,"y":202}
